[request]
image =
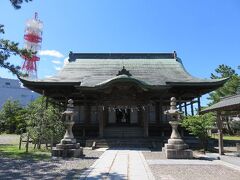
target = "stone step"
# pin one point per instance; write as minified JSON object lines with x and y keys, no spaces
{"x":130,"y":142}
{"x":123,"y":132}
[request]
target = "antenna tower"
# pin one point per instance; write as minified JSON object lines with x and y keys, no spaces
{"x":32,"y":42}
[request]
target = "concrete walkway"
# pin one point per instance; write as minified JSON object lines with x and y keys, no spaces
{"x":117,"y":164}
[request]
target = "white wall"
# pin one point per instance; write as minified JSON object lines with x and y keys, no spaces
{"x":11,"y":89}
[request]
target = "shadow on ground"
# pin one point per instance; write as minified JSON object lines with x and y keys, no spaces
{"x":28,"y":169}
{"x":51,"y":168}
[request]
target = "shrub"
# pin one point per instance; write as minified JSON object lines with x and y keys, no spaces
{"x":198,"y":126}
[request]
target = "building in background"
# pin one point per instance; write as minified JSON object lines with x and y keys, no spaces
{"x":12,"y":89}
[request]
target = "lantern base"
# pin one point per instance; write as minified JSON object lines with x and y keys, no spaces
{"x":67,"y":150}
{"x":176,"y":148}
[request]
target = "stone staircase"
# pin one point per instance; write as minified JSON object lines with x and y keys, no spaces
{"x":123,"y":132}
{"x":125,"y":143}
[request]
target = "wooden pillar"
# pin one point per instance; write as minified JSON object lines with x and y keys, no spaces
{"x":66,"y":102}
{"x":87,"y":113}
{"x":199,"y":104}
{"x":185,"y":108}
{"x":140,"y":117}
{"x":180,"y":104}
{"x":105,"y":116}
{"x":145,"y":121}
{"x":101,"y":121}
{"x":157,"y":113}
{"x":87,"y":118}
{"x":83,"y":132}
{"x":220,"y":133}
{"x":160,"y":112}
{"x":192,"y":110}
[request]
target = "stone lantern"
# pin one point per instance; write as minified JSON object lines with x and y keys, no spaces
{"x":68,"y":146}
{"x":176,"y":148}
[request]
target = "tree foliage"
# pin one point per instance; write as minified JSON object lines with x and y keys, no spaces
{"x":235,"y":125}
{"x":198,"y":126}
{"x":10,"y":117}
{"x":40,"y":122}
{"x":230,"y":87}
{"x":44,"y":123}
{"x":17,"y":3}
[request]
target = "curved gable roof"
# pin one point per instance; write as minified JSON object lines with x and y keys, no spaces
{"x":154,"y":69}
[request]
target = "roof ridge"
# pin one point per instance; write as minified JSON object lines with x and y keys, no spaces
{"x":74,"y":56}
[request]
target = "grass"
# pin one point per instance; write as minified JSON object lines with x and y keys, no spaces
{"x":226,"y":137}
{"x":12,"y":151}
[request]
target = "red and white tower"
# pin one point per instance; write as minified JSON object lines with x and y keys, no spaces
{"x":33,"y":40}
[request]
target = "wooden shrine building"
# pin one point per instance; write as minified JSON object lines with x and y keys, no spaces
{"x":123,"y":94}
{"x":227,"y":106}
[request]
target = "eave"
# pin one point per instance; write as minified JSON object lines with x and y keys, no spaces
{"x":209,"y":83}
{"x":228,"y":103}
{"x":40,"y":86}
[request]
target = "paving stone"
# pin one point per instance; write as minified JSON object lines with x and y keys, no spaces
{"x":125,"y":164}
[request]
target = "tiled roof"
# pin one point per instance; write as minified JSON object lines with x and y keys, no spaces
{"x":226,"y":103}
{"x":153,"y":69}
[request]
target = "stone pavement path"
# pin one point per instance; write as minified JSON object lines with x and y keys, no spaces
{"x":117,"y":164}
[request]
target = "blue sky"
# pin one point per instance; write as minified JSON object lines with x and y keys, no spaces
{"x":205,"y":33}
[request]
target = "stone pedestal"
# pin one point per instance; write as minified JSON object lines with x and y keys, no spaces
{"x":176,"y":148}
{"x":67,"y":150}
{"x":68,"y":146}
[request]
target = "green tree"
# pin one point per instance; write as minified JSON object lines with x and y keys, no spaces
{"x":44,"y":123}
{"x":9,"y":121}
{"x":21,"y":123}
{"x":198,"y":126}
{"x":17,"y":3}
{"x":229,"y":88}
{"x":235,"y":125}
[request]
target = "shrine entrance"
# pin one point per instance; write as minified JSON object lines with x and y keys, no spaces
{"x":123,"y":116}
{"x":122,"y":122}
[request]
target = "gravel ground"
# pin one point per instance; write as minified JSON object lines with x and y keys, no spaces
{"x":53,"y":169}
{"x":189,"y":171}
{"x":194,"y":172}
